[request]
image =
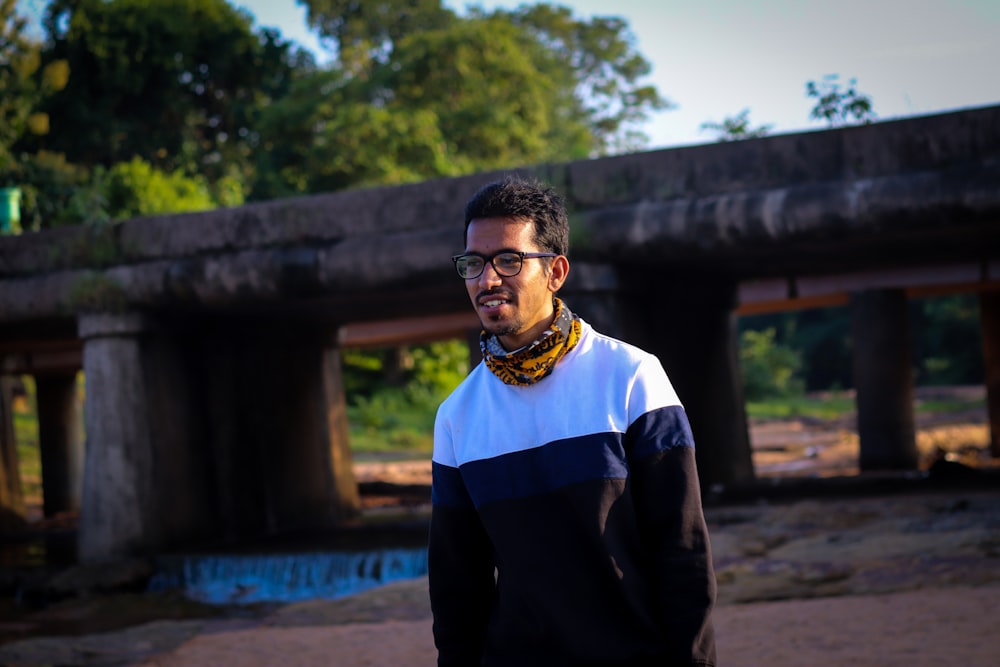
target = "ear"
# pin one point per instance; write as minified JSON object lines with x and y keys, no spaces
{"x":558,"y":271}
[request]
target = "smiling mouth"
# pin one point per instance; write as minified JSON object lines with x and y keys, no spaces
{"x":492,"y":303}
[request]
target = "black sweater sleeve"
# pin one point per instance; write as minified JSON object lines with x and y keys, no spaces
{"x":461,"y":567}
{"x":667,"y":496}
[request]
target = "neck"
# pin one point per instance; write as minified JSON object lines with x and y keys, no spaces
{"x":516,"y":341}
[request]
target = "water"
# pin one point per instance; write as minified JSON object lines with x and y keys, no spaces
{"x":253,"y":578}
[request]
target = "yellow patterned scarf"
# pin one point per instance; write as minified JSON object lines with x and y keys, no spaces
{"x":533,"y":362}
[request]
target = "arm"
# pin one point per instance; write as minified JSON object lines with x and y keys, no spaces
{"x":667,"y":498}
{"x":460,"y":572}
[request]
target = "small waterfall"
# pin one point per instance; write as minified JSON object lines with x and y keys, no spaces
{"x":246,"y":579}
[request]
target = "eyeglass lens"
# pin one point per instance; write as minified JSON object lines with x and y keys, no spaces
{"x":507,"y":264}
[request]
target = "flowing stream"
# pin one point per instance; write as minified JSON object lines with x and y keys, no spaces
{"x":289,"y":577}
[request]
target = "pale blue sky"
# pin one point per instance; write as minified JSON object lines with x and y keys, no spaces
{"x":715,"y":58}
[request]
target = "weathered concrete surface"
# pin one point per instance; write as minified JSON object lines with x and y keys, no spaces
{"x":920,"y":194}
{"x":883,"y":372}
{"x":922,"y":189}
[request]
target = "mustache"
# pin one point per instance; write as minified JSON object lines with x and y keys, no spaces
{"x":494,"y":292}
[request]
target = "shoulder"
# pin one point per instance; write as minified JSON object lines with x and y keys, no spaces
{"x":621,"y":366}
{"x":466,"y":388}
{"x":608,"y":349}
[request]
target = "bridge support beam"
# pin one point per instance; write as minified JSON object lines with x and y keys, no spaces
{"x":883,"y":380}
{"x":691,"y":327}
{"x":989,"y":319}
{"x":144,"y":486}
{"x":229,"y":432}
{"x":279,"y":429}
{"x":60,"y":440}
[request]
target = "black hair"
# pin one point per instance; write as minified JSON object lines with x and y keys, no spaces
{"x":523,"y":199}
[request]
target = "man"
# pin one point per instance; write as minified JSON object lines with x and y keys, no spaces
{"x":567,"y":526}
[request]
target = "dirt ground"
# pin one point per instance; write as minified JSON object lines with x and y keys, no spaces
{"x":886,"y":572}
{"x":900,"y":579}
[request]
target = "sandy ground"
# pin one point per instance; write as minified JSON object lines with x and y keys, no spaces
{"x":912,"y":629}
{"x":882,"y":579}
{"x":900,"y":579}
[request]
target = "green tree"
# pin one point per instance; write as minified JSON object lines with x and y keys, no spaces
{"x":336,"y":140}
{"x":947,"y":339}
{"x":177,"y":83}
{"x":769,"y":369}
{"x":135,"y":188}
{"x":58,"y":193}
{"x":820,"y":336}
{"x":837,"y":106}
{"x":736,"y":128}
{"x":363,"y":35}
{"x":23,"y":85}
{"x":598,"y":72}
{"x":54,"y":192}
{"x":416,"y":92}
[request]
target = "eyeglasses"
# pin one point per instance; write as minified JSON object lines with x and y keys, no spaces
{"x":506,"y":263}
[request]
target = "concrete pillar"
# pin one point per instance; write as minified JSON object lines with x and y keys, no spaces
{"x":883,"y":380}
{"x":692,"y":329}
{"x":279,"y":429}
{"x":60,"y":439}
{"x":340,"y":493}
{"x":989,"y":320}
{"x":118,"y":517}
{"x":11,"y":497}
{"x":145,"y":473}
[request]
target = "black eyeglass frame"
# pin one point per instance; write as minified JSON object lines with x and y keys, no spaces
{"x":489,"y":259}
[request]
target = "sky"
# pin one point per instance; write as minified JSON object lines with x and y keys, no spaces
{"x":713,"y":59}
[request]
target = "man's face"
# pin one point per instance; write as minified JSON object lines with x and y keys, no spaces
{"x":516,"y":309}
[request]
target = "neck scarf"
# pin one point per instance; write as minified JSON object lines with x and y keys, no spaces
{"x":533,"y":362}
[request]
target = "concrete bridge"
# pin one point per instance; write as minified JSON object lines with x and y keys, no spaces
{"x":210,"y":342}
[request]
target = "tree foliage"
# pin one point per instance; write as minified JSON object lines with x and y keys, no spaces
{"x":54,"y":193}
{"x":599,"y":69}
{"x":24,"y":83}
{"x":417,"y":92}
{"x":135,"y":188}
{"x":363,"y":35}
{"x":414,"y":92}
{"x":176,"y":83}
{"x":948,"y":348}
{"x":770,"y":369}
{"x":736,"y":128}
{"x":837,"y":106}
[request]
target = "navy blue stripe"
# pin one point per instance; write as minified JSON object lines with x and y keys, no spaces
{"x":447,"y":487}
{"x":657,"y":431}
{"x":547,"y":468}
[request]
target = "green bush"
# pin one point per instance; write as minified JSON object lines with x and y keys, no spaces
{"x":398,"y":412}
{"x":769,"y":369}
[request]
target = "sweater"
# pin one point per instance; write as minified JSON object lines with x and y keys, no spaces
{"x":567,"y":525}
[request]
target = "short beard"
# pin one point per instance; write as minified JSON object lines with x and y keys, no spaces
{"x":501,"y":329}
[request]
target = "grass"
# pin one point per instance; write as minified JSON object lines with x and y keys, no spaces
{"x":834,"y":405}
{"x":817,"y":407}
{"x":389,"y":422}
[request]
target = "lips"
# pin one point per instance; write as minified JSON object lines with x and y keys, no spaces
{"x":492,"y":302}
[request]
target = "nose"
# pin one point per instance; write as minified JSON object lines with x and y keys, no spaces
{"x":489,"y":277}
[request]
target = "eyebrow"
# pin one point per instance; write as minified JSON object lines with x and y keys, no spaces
{"x":498,"y":252}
